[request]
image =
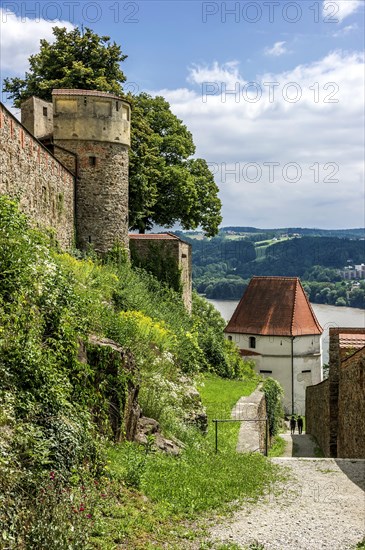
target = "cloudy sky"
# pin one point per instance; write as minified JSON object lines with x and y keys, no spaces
{"x":271,"y":90}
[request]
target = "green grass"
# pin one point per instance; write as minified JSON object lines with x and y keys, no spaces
{"x":201,"y":479}
{"x":219,"y":395}
{"x":177,"y":493}
{"x":278,"y":447}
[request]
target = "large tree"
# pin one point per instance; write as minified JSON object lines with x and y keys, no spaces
{"x":76,"y":59}
{"x":167,"y":186}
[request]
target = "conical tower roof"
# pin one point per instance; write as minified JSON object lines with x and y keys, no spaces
{"x":276,"y":306}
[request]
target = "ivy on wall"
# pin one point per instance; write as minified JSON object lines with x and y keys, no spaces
{"x":273,"y":393}
{"x":160,"y":262}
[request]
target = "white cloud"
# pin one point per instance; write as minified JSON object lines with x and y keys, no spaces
{"x":345,"y":30}
{"x":277,"y":49}
{"x":19,"y":38}
{"x":321,"y":133}
{"x":339,"y":9}
{"x":227,"y":72}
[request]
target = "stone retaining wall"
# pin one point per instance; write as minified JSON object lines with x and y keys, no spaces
{"x":317,"y":406}
{"x":351,"y":407}
{"x":252,"y":434}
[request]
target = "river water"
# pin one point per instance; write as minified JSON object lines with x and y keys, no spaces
{"x":328,"y":316}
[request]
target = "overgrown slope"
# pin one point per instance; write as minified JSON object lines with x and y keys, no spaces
{"x":54,"y":425}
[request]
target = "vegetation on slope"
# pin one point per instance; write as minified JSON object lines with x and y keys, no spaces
{"x":57,"y":489}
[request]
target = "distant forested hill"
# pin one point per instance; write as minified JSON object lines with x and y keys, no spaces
{"x":294,"y":257}
{"x":222,"y":266}
{"x":355,"y":233}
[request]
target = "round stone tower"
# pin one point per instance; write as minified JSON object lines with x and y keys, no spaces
{"x":91,"y":134}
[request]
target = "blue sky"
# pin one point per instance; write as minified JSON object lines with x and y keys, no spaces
{"x":287,"y":147}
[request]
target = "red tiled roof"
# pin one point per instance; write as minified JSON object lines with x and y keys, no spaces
{"x":351,"y":340}
{"x":276,"y":306}
{"x":154,"y":236}
{"x":97,"y":93}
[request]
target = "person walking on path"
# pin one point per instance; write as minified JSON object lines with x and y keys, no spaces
{"x":292,"y":425}
{"x":300,"y":424}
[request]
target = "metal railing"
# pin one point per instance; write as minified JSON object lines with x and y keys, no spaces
{"x":218,"y":420}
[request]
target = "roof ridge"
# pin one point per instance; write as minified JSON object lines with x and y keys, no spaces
{"x":294,"y":304}
{"x":274,"y":277}
{"x":310,"y":307}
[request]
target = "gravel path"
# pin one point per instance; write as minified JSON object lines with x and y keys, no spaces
{"x":322,"y":507}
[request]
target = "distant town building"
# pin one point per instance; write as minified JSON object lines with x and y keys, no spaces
{"x":274,"y":325}
{"x":353,"y":272}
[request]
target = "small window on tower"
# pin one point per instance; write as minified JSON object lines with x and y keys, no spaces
{"x":252,"y":342}
{"x":117,"y":105}
{"x":45,"y":111}
{"x":92,"y":161}
{"x":230,"y":338}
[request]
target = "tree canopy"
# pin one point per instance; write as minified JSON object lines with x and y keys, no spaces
{"x":76,"y":59}
{"x":167,"y":185}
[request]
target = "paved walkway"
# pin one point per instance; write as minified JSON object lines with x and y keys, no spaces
{"x":250,"y":430}
{"x":299,"y":445}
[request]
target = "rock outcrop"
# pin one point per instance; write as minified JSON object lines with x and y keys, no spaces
{"x":116,"y":374}
{"x":149,"y":427}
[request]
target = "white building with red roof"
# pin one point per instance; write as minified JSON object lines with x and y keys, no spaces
{"x":275,"y":325}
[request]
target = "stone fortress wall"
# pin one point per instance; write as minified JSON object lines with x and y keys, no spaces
{"x":44,"y":186}
{"x":68,"y":162}
{"x":89,"y":133}
{"x":93,"y":130}
{"x":171,"y":246}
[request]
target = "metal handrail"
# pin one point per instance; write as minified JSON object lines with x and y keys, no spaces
{"x":266,"y":420}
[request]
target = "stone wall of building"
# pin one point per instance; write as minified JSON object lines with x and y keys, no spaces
{"x":317,"y":408}
{"x":351,"y":407}
{"x":29,"y":172}
{"x":335,"y":409}
{"x":186,"y":260}
{"x":101,"y":191}
{"x":94,"y":127}
{"x":170,"y":248}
